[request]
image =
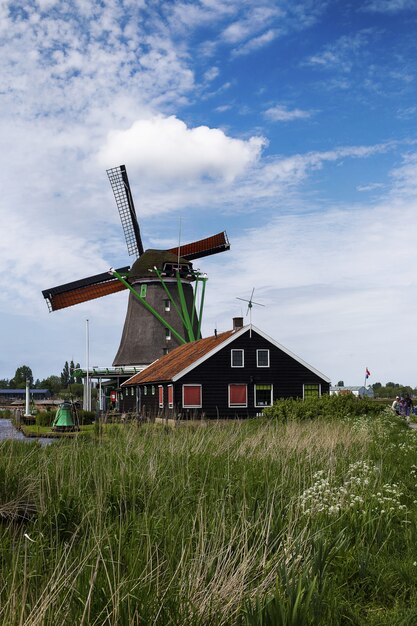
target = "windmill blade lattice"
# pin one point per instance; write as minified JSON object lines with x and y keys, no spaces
{"x":83,"y":290}
{"x":203,"y":247}
{"x":124,"y":200}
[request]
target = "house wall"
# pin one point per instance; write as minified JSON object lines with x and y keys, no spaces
{"x":215,"y":374}
{"x":285,"y":374}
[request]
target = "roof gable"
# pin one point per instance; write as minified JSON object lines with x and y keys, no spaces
{"x":187,"y":357}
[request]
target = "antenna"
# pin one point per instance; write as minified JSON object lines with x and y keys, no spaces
{"x":179,"y":243}
{"x":250,"y":305}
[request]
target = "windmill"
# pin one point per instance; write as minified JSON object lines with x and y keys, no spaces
{"x":250,"y":305}
{"x":162,"y":306}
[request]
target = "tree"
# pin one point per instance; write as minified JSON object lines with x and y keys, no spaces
{"x":52,"y":383}
{"x":340,"y":383}
{"x":4,"y":383}
{"x":22,"y":374}
{"x":67,"y":374}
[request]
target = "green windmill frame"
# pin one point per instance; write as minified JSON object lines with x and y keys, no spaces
{"x":182,"y":311}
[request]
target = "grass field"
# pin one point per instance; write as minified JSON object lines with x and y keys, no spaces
{"x":267,"y":523}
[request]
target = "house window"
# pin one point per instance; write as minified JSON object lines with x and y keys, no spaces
{"x":170,"y":396}
{"x":161,"y":396}
{"x":312,"y":391}
{"x":167,"y":334}
{"x":238,"y":394}
{"x":263,"y":395}
{"x":153,"y":390}
{"x":237,"y":358}
{"x":145,"y":390}
{"x":262,"y":358}
{"x":167,"y":305}
{"x":143,"y":289}
{"x":164,"y":350}
{"x":191,"y":396}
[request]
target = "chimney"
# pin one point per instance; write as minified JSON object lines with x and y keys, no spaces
{"x":237,"y":323}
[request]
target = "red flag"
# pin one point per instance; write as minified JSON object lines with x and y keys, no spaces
{"x":367,"y":373}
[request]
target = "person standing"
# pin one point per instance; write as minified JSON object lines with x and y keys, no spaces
{"x":395,"y":406}
{"x":408,"y":405}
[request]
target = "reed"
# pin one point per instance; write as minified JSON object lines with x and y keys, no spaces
{"x":259,"y":522}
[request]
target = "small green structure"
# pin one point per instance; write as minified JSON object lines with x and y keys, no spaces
{"x":66,"y":419}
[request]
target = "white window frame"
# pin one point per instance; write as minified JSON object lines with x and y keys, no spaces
{"x":231,"y":357}
{"x":167,"y":334}
{"x":192,"y":406}
{"x":237,"y":406}
{"x":263,"y":406}
{"x":257,"y":357}
{"x":304,"y":386}
{"x":171,"y":404}
{"x":167,"y":305}
{"x":161,"y":404}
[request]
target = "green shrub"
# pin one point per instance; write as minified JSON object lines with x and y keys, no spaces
{"x":327,"y":407}
{"x":5,"y":413}
{"x":45,"y":418}
{"x":85,"y":417}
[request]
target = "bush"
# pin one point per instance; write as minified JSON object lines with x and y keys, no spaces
{"x":5,"y":413}
{"x":85,"y":417}
{"x":45,"y":418}
{"x":326,"y":407}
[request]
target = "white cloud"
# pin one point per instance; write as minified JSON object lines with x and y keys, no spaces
{"x":389,"y":6}
{"x":256,"y":42}
{"x":344,"y":53}
{"x":339,"y":287}
{"x":164,"y":147}
{"x":370,"y":187}
{"x":211,"y":74}
{"x":253,"y":23}
{"x":405,"y":176}
{"x":280,"y":113}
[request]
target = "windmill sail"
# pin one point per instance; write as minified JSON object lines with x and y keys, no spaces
{"x":124,"y":200}
{"x":203,"y":247}
{"x":83,"y":290}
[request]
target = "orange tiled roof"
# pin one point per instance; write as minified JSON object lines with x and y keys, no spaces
{"x":174,"y":362}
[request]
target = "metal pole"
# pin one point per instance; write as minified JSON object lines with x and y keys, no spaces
{"x":87,"y":350}
{"x":27,"y":411}
{"x":100,"y":395}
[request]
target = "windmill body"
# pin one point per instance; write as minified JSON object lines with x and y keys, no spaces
{"x":144,"y":337}
{"x":162,"y":307}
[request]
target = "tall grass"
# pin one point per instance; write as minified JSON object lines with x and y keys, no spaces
{"x":257,"y":522}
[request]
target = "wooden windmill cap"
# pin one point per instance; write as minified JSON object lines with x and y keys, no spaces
{"x":143,"y":267}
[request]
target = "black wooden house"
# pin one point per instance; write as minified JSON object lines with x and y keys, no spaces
{"x":236,"y":373}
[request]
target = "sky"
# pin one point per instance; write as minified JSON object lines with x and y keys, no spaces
{"x":289,"y":124}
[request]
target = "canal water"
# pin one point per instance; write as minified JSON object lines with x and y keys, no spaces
{"x":8,"y":431}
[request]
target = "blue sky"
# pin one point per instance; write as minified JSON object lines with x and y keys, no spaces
{"x":291,"y":125}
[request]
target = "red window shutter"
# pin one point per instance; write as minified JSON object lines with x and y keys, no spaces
{"x":170,"y":396}
{"x":238,"y":395}
{"x":161,"y":396}
{"x":191,"y":395}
